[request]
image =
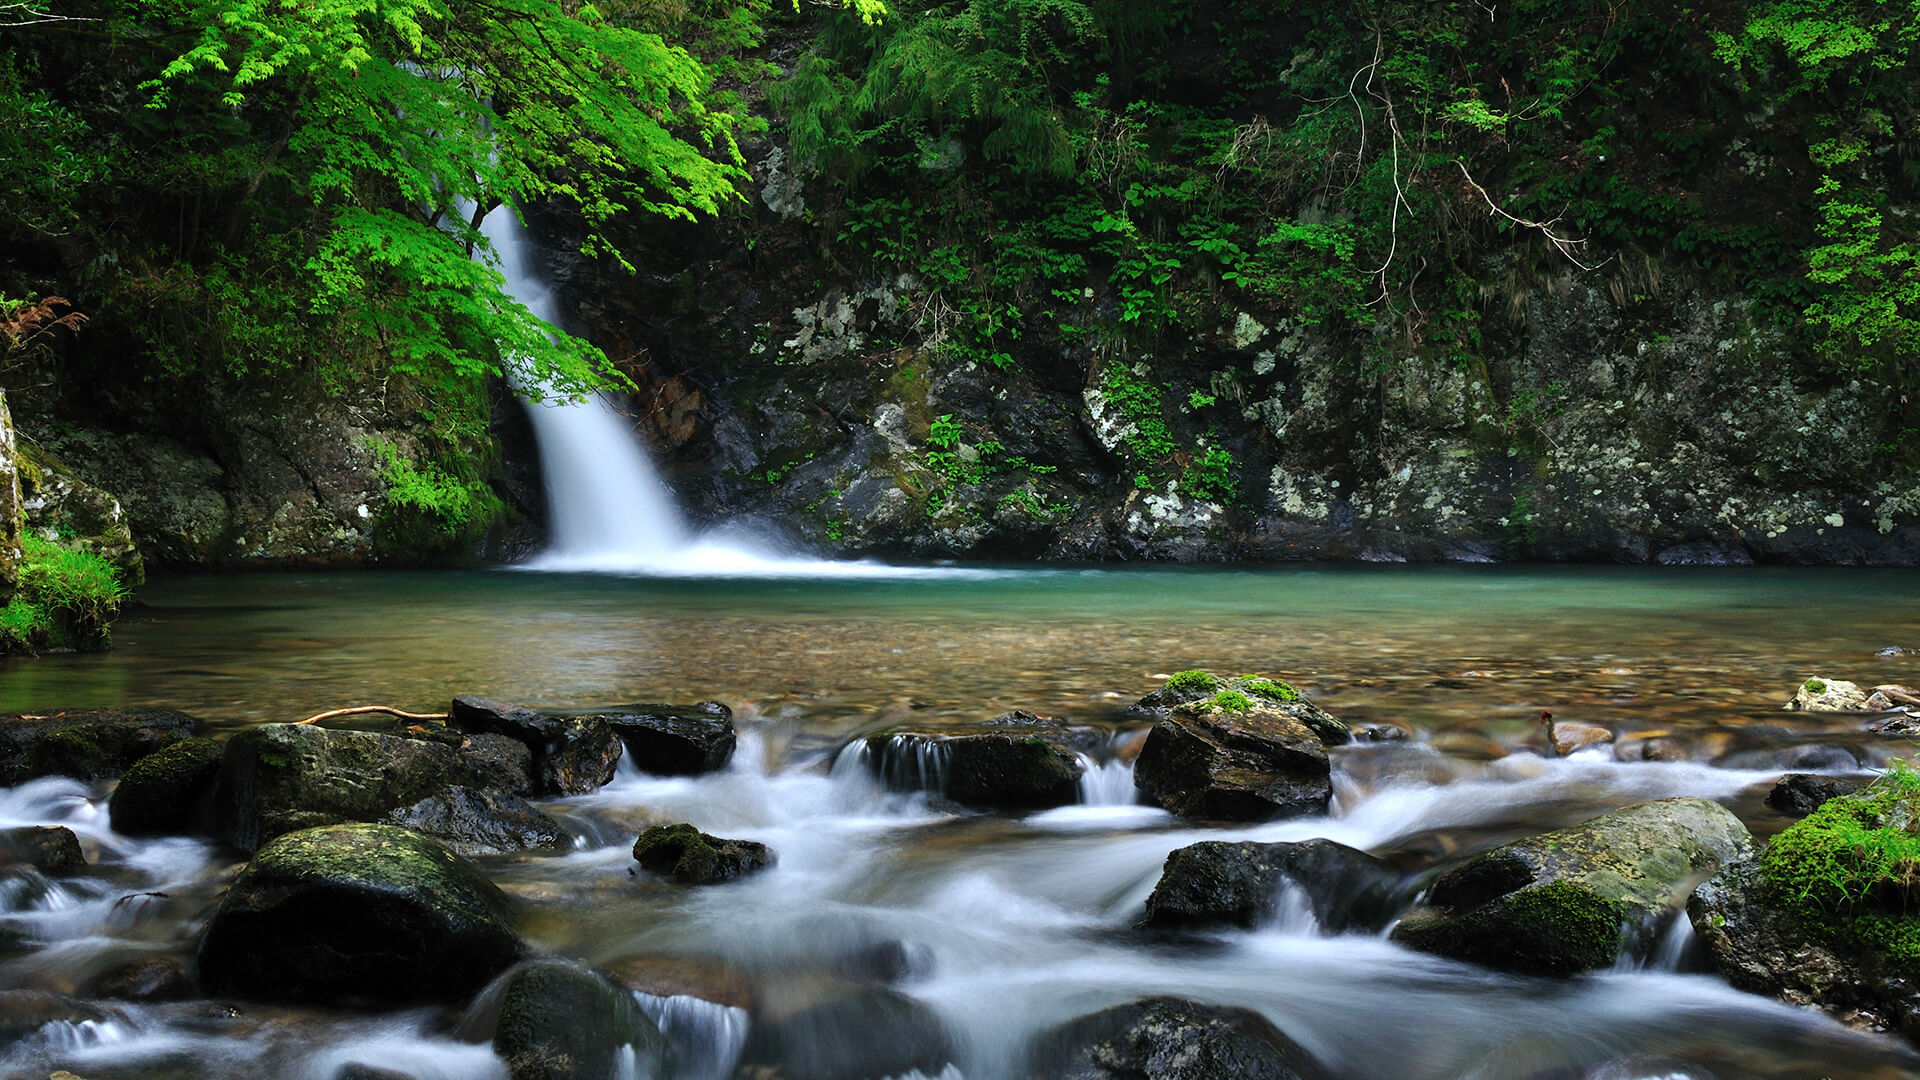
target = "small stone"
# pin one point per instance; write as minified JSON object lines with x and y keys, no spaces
{"x":1800,"y":794}
{"x":1821,"y":694}
{"x":688,"y":855}
{"x":52,"y":849}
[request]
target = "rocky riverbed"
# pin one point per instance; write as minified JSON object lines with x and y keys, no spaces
{"x":1211,"y":882}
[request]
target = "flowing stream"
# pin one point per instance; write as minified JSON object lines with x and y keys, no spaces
{"x":892,"y":915}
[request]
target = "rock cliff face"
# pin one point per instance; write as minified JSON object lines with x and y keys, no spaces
{"x":1672,"y":426}
{"x":820,"y":405}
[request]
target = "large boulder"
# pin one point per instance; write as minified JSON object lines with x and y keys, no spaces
{"x":1575,"y":899}
{"x":85,"y":744}
{"x":1168,"y":1038}
{"x":1829,"y":913}
{"x":358,"y":914}
{"x":553,"y":1019}
{"x":1235,"y":756}
{"x":1218,"y":883}
{"x":1023,"y":762}
{"x":475,"y":821}
{"x":676,"y":740}
{"x":280,"y":778}
{"x":572,"y":755}
{"x":168,"y":791}
{"x":688,"y":855}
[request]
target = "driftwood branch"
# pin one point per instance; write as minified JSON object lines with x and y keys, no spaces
{"x":358,"y":710}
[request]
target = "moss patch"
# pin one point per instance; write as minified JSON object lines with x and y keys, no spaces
{"x":1193,"y":680}
{"x":1230,"y":701}
{"x":1271,"y":689}
{"x":65,"y":599}
{"x":1850,"y":871}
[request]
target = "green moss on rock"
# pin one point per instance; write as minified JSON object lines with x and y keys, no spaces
{"x":686,"y":854}
{"x":165,"y":791}
{"x":1193,"y":680}
{"x":1850,"y":871}
{"x":1271,"y":689}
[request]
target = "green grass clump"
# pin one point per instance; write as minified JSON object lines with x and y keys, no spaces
{"x":1850,"y":871}
{"x":1271,"y":689}
{"x":64,"y":598}
{"x":1815,"y":686}
{"x":1192,"y":679}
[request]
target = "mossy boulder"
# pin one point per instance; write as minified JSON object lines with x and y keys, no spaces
{"x":355,"y":914}
{"x":676,"y":740}
{"x":572,"y":755}
{"x":1235,"y":756}
{"x":1239,"y":691}
{"x":168,"y":791}
{"x":686,"y":854}
{"x":1218,"y":883}
{"x":1575,"y":899}
{"x":1168,"y":1038}
{"x":1020,"y":761}
{"x":552,"y":1019}
{"x":1829,"y":914}
{"x":281,"y":778}
{"x":52,"y":849}
{"x":88,"y":744}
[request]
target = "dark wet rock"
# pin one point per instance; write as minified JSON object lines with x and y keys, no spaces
{"x":1218,"y":883}
{"x":1899,"y":726}
{"x":358,"y":913}
{"x":686,"y":854}
{"x":355,"y":1070}
{"x":1385,"y":733}
{"x":844,"y":1033}
{"x":497,"y":763}
{"x":280,"y":778}
{"x":885,"y":963}
{"x":149,"y":978}
{"x":553,"y":1019}
{"x":1760,"y":947}
{"x":476,"y":822}
{"x":1894,"y":650}
{"x":1189,"y":687}
{"x":89,"y":745}
{"x":23,"y":1012}
{"x":1169,"y":1039}
{"x":674,"y":740}
{"x":572,"y":755}
{"x":1031,"y":765}
{"x":53,"y":849}
{"x":168,"y":791}
{"x":1240,"y":758}
{"x":1800,"y":794}
{"x":1574,"y":899}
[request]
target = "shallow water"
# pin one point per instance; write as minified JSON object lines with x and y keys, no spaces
{"x":996,"y":926}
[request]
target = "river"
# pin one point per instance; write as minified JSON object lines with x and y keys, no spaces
{"x":996,"y":926}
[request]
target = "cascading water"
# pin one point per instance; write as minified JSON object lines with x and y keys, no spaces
{"x":607,"y":509}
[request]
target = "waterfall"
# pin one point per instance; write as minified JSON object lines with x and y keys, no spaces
{"x":606,"y":506}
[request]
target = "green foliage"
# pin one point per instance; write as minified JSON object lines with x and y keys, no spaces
{"x":64,"y":598}
{"x":434,"y":507}
{"x":1210,"y":475}
{"x":1850,"y":871}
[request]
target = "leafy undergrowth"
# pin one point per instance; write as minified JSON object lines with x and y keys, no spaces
{"x":1850,"y":871}
{"x":65,"y":598}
